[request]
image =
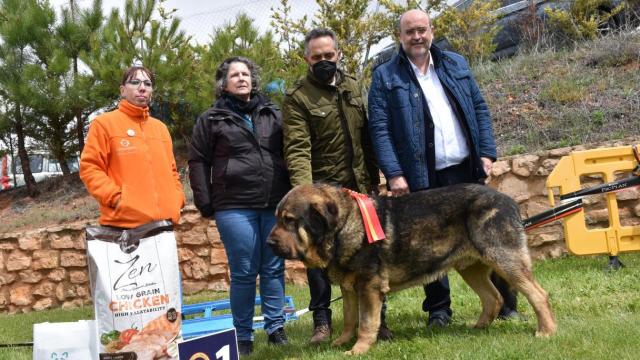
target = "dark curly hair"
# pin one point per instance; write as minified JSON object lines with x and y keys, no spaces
{"x":223,"y":71}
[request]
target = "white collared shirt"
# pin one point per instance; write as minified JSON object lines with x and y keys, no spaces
{"x":449,"y":140}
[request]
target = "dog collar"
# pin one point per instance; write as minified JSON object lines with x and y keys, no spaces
{"x":369,"y":216}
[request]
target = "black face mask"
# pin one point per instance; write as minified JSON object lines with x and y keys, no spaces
{"x":324,"y":70}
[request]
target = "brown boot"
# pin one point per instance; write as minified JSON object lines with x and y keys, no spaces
{"x":321,"y":333}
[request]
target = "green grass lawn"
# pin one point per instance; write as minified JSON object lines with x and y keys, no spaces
{"x":598,"y":316}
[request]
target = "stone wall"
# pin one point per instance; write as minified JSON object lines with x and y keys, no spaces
{"x":47,"y":268}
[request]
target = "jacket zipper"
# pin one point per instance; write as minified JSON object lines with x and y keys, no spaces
{"x":347,"y":136}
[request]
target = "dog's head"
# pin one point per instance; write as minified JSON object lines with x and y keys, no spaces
{"x":307,"y":218}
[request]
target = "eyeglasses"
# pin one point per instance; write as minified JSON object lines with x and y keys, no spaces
{"x":136,"y":82}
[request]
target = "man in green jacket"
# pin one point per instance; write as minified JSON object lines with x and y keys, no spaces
{"x":326,"y":140}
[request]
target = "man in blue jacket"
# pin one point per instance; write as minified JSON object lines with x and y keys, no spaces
{"x":431,"y":127}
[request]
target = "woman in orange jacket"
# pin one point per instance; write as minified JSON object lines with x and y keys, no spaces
{"x":127,"y":163}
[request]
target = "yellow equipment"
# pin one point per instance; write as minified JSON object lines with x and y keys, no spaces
{"x":566,"y":175}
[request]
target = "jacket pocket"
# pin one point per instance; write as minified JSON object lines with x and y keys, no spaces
{"x":398,"y":94}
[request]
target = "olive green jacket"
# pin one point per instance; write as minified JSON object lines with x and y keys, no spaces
{"x":316,"y":146}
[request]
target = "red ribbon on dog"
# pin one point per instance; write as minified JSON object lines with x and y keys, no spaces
{"x":369,"y":216}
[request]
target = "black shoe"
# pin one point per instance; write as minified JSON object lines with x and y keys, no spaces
{"x":245,"y":347}
{"x":509,"y":314}
{"x":384,"y":334}
{"x":438,"y":321}
{"x":278,"y":337}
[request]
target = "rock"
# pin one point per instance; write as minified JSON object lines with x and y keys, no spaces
{"x":191,"y":287}
{"x":30,"y":243}
{"x":218,"y":285}
{"x":514,"y":187}
{"x":73,"y":258}
{"x":3,"y":301}
{"x":218,"y":256}
{"x":43,"y":304}
{"x":524,"y":165}
{"x":17,"y":260}
{"x":8,"y":244}
{"x":499,"y":168}
{"x":628,"y":194}
{"x":29,"y":276}
{"x":72,"y":304}
{"x":7,"y":278}
{"x":1,"y":260}
{"x":202,"y":251}
{"x":65,"y":241}
{"x":45,"y":259}
{"x":64,"y":292}
{"x":44,"y":289}
{"x":57,"y":274}
{"x":560,"y":152}
{"x":185,"y":254}
{"x":78,"y":277}
{"x":636,"y":210}
{"x":196,"y":268}
{"x":214,"y":236}
{"x":218,"y":270}
{"x":21,"y":295}
{"x":197,"y":236}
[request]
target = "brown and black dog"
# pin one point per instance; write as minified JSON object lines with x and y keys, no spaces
{"x":470,"y":228}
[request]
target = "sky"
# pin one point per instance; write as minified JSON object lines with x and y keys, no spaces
{"x":199,"y":17}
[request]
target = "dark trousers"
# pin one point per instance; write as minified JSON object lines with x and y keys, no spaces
{"x":320,"y":289}
{"x":437,"y":294}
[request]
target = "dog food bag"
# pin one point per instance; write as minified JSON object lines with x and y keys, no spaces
{"x":135,"y":283}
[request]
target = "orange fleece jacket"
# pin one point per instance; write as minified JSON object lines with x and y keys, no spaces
{"x":128,"y":155}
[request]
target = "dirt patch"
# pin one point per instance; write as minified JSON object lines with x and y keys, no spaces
{"x":61,"y":200}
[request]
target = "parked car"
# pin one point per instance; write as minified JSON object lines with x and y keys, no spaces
{"x":511,"y":15}
{"x":43,"y":166}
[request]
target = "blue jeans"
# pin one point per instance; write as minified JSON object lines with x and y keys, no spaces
{"x":244,"y":234}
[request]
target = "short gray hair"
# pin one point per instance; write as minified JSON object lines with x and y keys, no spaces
{"x":318,"y":33}
{"x":223,"y":71}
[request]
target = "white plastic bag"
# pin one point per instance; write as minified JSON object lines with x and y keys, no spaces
{"x":65,"y":341}
{"x":135,"y":283}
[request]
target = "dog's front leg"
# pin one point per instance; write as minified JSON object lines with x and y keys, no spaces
{"x":350,"y":313}
{"x":370,"y":301}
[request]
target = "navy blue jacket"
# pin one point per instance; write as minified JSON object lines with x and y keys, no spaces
{"x":397,"y":116}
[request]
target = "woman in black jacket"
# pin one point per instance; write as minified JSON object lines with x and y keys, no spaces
{"x":238,"y":176}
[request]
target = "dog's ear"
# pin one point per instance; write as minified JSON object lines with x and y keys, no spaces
{"x":323,"y":216}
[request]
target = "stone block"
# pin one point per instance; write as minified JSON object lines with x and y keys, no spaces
{"x":57,"y":275}
{"x":202,"y":251}
{"x":499,"y":168}
{"x":17,"y":260}
{"x":628,"y":194}
{"x":43,"y":304}
{"x":524,"y":165}
{"x":61,"y":241}
{"x":21,"y":295}
{"x":45,"y":259}
{"x":73,"y":258}
{"x":218,"y":256}
{"x":44,"y":289}
{"x":64,"y":291}
{"x":191,"y":287}
{"x":3,"y":301}
{"x":78,"y":276}
{"x":7,"y":278}
{"x":185,"y":254}
{"x":9,"y":244}
{"x":197,"y":236}
{"x":218,"y":285}
{"x":30,"y":276}
{"x":72,"y":304}
{"x":218,"y":270}
{"x":560,"y":152}
{"x":516,"y":188}
{"x":30,"y":243}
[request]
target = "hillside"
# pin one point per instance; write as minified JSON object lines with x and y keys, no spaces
{"x":540,"y":100}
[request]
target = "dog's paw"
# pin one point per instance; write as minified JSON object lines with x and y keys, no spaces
{"x":357,"y":349}
{"x":341,"y":340}
{"x":543,"y":334}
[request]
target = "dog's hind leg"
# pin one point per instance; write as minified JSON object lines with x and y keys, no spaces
{"x":521,"y":277}
{"x":350,"y":313}
{"x":477,"y":277}
{"x":370,"y":300}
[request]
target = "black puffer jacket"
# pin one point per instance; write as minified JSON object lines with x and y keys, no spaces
{"x":231,"y":166}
